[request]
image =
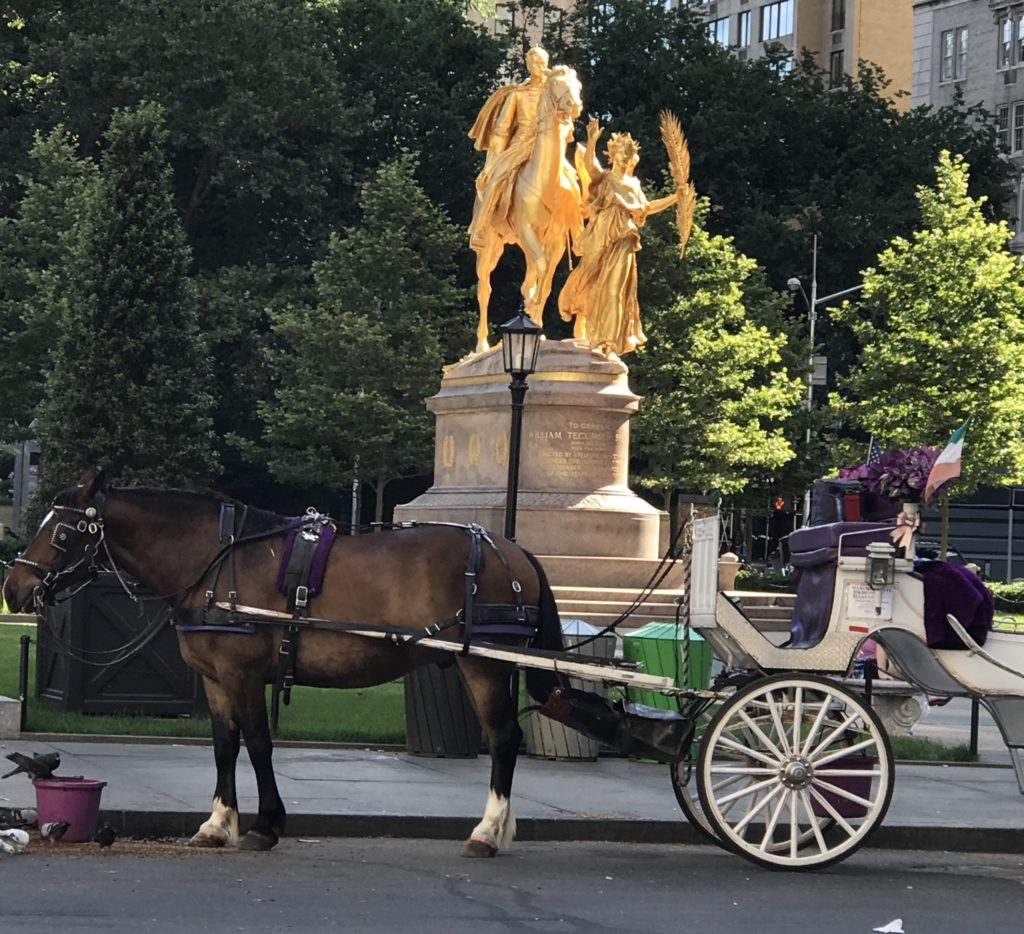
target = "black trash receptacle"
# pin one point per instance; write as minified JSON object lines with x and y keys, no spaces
{"x":97,"y":619}
{"x":439,"y":718}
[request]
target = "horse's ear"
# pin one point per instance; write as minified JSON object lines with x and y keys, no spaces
{"x":93,"y":482}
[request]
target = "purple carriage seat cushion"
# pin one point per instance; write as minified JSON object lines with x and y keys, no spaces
{"x":818,"y":544}
{"x":813,"y":552}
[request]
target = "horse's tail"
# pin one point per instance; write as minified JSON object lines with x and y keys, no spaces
{"x":540,"y":683}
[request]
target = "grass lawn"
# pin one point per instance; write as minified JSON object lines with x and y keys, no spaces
{"x":360,"y":715}
{"x":1011,"y":621}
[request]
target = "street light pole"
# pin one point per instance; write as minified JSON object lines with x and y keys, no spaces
{"x":518,"y":389}
{"x":795,"y":285}
{"x":520,"y":344}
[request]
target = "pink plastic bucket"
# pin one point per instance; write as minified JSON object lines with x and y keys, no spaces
{"x":76,"y":800}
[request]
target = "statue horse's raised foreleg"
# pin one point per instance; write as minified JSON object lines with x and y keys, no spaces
{"x":488,"y":684}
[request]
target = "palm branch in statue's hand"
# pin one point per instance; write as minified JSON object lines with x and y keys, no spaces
{"x":679,"y":165}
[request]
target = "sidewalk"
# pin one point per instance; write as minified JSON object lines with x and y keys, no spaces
{"x":164,"y":789}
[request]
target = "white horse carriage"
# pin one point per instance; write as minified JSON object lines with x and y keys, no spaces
{"x":795,"y":768}
{"x":787,"y":763}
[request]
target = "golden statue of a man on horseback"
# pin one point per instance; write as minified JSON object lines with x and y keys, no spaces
{"x":527,"y":193}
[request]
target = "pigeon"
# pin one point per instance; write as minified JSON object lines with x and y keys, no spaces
{"x":13,"y":841}
{"x":105,"y":836}
{"x":53,"y":830}
{"x":38,"y":766}
{"x":17,"y":817}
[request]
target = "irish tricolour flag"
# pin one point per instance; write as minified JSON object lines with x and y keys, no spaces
{"x":947,"y":464}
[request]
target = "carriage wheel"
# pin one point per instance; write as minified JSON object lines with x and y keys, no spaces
{"x":685,"y":784}
{"x":795,"y":772}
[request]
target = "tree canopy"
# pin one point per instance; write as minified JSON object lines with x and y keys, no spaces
{"x":353,"y":368}
{"x":129,"y":383}
{"x":941,"y":330}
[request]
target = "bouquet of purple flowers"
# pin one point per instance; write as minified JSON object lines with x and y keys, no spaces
{"x":898,"y":475}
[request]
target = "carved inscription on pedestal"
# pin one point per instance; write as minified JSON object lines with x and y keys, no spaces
{"x":584,"y":452}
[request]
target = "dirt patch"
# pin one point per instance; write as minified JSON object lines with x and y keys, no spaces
{"x":127,"y":847}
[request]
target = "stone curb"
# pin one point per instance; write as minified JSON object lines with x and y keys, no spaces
{"x":181,"y":824}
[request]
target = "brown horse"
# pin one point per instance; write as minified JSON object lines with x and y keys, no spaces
{"x":172,"y":542}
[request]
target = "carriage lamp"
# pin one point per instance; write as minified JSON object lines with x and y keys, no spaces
{"x":880,"y":567}
{"x":520,"y":344}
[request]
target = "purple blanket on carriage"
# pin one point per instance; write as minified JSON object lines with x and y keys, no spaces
{"x":952,"y":588}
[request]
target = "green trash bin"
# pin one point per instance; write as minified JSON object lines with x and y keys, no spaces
{"x":660,"y":647}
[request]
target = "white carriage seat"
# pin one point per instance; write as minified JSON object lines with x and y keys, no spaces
{"x":813,"y":553}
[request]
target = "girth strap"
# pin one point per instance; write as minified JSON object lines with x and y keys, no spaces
{"x":297,"y":585}
{"x":476,"y":534}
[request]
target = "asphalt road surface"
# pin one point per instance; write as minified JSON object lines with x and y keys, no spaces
{"x":425,"y":886}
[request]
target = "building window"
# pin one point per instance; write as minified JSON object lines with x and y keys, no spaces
{"x":1003,"y":126}
{"x":835,"y":69}
{"x":838,"y":15}
{"x":953,"y":54}
{"x":718,"y":30}
{"x":1018,"y":126}
{"x":776,"y":20}
{"x":743,"y":29}
{"x":1004,"y":54}
{"x":503,"y":18}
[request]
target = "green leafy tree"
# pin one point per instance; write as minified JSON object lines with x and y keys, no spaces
{"x":415,"y":74}
{"x":717,"y":393}
{"x":130,"y":382}
{"x":35,"y":247}
{"x":355,"y":367}
{"x":941,"y":330}
{"x":254,"y":113}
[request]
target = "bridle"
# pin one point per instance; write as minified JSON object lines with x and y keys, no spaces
{"x":87,"y":522}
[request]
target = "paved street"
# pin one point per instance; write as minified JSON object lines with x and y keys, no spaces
{"x":425,"y":886}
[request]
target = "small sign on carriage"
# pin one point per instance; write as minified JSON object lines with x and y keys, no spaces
{"x":867,"y":603}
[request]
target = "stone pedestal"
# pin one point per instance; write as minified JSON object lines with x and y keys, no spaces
{"x":575,"y":508}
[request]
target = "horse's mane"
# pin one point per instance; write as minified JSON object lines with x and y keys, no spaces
{"x":256,"y":519}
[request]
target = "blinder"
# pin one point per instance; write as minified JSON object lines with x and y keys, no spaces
{"x":64,"y":536}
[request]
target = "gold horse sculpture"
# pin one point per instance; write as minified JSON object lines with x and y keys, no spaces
{"x":528,"y":193}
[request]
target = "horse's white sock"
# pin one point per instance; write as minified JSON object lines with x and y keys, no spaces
{"x":222,"y":824}
{"x":498,"y":826}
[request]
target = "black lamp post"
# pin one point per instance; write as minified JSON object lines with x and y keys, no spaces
{"x":520,"y":343}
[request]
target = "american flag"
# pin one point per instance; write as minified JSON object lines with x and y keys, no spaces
{"x":874,"y":451}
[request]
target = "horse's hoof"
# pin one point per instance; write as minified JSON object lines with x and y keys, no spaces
{"x":207,"y":840}
{"x":477,"y":849}
{"x":257,"y":841}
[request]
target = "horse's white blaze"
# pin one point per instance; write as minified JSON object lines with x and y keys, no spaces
{"x":498,"y":826}
{"x":47,"y":518}
{"x":223,"y":823}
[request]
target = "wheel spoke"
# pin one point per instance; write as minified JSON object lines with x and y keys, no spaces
{"x":798,"y":717}
{"x":769,"y":830}
{"x":830,"y":738}
{"x":773,"y":708}
{"x":832,"y":812}
{"x":749,"y":789}
{"x":729,"y":743}
{"x":760,"y":734}
{"x":815,"y":824}
{"x":844,"y":793}
{"x":816,"y":727}
{"x":844,"y":751}
{"x":754,"y":811}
